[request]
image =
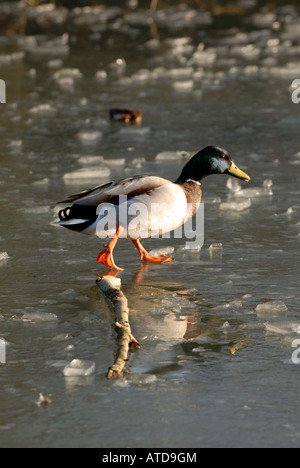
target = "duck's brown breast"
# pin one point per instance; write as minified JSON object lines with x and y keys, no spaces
{"x":193,"y":193}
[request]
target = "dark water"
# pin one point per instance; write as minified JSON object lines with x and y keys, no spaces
{"x":214,"y":370}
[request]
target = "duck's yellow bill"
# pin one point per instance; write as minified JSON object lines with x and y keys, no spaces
{"x":236,"y":172}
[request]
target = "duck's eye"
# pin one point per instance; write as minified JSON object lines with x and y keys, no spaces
{"x":223,"y":156}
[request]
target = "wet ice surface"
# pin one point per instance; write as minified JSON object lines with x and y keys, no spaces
{"x":216,"y":324}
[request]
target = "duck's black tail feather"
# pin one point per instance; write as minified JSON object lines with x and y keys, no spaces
{"x":77,"y":217}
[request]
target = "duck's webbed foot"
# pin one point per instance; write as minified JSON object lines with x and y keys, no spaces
{"x":150,"y":258}
{"x":106,"y":256}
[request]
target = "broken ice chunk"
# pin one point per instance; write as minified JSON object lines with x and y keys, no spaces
{"x":237,"y":304}
{"x":101,"y":75}
{"x":135,"y":131}
{"x":137,"y":162}
{"x":178,"y":41}
{"x":41,"y":181}
{"x":4,"y":256}
{"x":90,"y":160}
{"x":162,"y":251}
{"x":16,"y":145}
{"x":267,"y":183}
{"x":225,"y":325}
{"x":168,"y":155}
{"x":266,"y":189}
{"x":89,"y":136}
{"x":290,"y":211}
{"x":43,"y":110}
{"x":283,"y":328}
{"x":67,"y":72}
{"x":204,"y":57}
{"x":263,"y":20}
{"x":65,"y":78}
{"x":115,"y":162}
{"x":48,"y":48}
{"x":183,"y":85}
{"x":180,"y":73}
{"x":271,"y":309}
{"x":79,"y":368}
{"x":55,"y":63}
{"x":39,"y":317}
{"x":174,"y":302}
{"x":236,"y":206}
{"x":233,"y":185}
{"x":212,"y":200}
{"x":87,"y":173}
{"x":216,"y":246}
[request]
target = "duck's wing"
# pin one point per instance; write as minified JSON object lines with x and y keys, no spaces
{"x":81,"y":211}
{"x":112,"y":191}
{"x":78,"y":196}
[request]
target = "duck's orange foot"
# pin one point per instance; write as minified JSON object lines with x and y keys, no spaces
{"x":150,"y":258}
{"x":106,"y":258}
{"x":156,"y":258}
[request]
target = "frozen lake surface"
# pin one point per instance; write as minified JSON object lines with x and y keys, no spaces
{"x":217,"y":325}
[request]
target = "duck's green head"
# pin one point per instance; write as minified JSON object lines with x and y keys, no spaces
{"x":211,"y":160}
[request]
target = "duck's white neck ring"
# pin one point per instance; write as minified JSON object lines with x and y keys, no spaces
{"x":194,"y":181}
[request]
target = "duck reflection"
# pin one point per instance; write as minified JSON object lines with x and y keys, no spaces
{"x":161,"y":310}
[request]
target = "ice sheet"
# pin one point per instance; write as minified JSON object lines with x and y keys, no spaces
{"x":274,"y":308}
{"x":101,"y":75}
{"x":118,"y":162}
{"x":135,"y":131}
{"x":169,"y":155}
{"x":4,"y":256}
{"x":162,"y":251}
{"x":238,"y":206}
{"x":283,"y":328}
{"x":264,"y":190}
{"x":79,"y":368}
{"x":43,"y":110}
{"x":67,"y":72}
{"x":39,"y":317}
{"x":90,"y":160}
{"x":88,"y":173}
{"x":88,"y":137}
{"x":187,"y":85}
{"x":216,"y":246}
{"x":233,"y":185}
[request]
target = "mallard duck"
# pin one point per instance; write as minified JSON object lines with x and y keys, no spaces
{"x":144,"y":206}
{"x":126,"y":115}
